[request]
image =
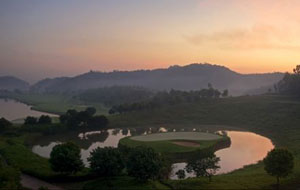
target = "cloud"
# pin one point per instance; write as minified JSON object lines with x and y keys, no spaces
{"x":259,"y":36}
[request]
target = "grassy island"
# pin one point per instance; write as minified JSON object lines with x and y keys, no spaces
{"x":174,"y":143}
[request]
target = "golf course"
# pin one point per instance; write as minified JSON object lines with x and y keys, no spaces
{"x":175,"y":142}
{"x":274,"y":117}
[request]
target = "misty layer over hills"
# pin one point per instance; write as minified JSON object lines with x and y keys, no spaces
{"x":12,"y":83}
{"x":190,"y":77}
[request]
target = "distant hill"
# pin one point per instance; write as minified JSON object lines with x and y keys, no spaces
{"x":190,"y":77}
{"x":12,"y":83}
{"x":46,"y":85}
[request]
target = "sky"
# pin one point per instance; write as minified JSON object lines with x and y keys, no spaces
{"x":50,"y":38}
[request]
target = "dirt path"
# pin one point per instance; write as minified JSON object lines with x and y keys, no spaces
{"x":34,"y":183}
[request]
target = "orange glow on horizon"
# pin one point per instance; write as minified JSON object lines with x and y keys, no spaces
{"x":249,"y":36}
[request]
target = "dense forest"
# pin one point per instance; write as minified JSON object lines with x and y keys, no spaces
{"x":170,"y":98}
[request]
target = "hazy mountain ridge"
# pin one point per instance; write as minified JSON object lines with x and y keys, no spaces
{"x":12,"y":83}
{"x":190,"y":77}
{"x":45,"y":84}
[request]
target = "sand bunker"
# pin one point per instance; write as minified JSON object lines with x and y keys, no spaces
{"x":186,"y":143}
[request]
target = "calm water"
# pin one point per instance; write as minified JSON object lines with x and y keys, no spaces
{"x":246,"y":147}
{"x":13,"y":110}
{"x":93,"y":139}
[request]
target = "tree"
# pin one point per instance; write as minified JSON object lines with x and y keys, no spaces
{"x":98,"y":121}
{"x":82,"y":117}
{"x":4,"y":124}
{"x":63,"y":118}
{"x":91,"y":111}
{"x":225,"y":93}
{"x":72,"y":112}
{"x":66,"y":158}
{"x":297,"y":70}
{"x":204,"y":166}
{"x":112,"y":110}
{"x":217,"y":93}
{"x":144,"y":164}
{"x":279,"y":163}
{"x":45,"y":119}
{"x":30,"y":121}
{"x":180,"y":174}
{"x":106,"y":161}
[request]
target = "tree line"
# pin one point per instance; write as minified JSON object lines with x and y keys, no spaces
{"x":290,"y":84}
{"x":144,"y":164}
{"x":74,"y":119}
{"x":71,"y":120}
{"x":170,"y":98}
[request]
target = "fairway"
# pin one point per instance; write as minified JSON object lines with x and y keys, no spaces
{"x":177,"y":136}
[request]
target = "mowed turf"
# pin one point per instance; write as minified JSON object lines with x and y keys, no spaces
{"x":177,"y":136}
{"x":174,"y":142}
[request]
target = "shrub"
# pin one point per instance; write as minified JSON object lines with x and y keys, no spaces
{"x":180,"y":174}
{"x":66,"y":158}
{"x":106,"y":161}
{"x":30,"y":121}
{"x":204,"y":165}
{"x":144,"y":164}
{"x":45,"y":119}
{"x":4,"y":124}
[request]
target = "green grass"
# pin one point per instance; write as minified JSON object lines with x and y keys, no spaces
{"x":168,"y":145}
{"x":19,"y":156}
{"x":57,"y":104}
{"x":272,"y":116}
{"x":197,"y":136}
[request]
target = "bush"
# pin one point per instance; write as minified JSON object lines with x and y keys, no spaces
{"x":30,"y":121}
{"x":180,"y":174}
{"x":4,"y":124}
{"x":45,"y":119}
{"x":204,"y":164}
{"x":144,"y":164}
{"x":106,"y":161}
{"x":66,"y":158}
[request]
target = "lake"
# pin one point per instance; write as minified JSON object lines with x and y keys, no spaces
{"x":12,"y":110}
{"x":246,"y":147}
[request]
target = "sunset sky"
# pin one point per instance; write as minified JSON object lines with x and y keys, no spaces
{"x":47,"y":38}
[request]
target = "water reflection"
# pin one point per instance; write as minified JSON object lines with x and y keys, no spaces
{"x":44,"y":151}
{"x":88,"y":141}
{"x":246,"y":147}
{"x":13,"y":110}
{"x":111,"y":141}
